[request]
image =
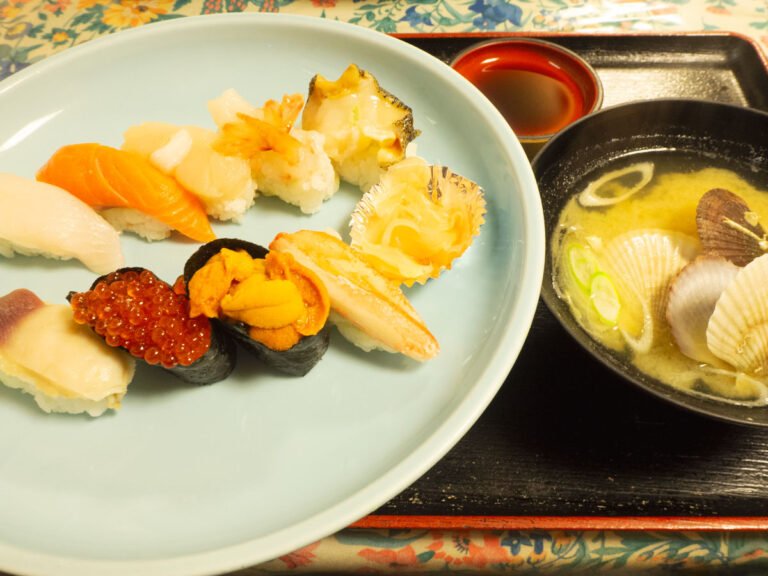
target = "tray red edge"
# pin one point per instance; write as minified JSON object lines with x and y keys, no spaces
{"x":615,"y":523}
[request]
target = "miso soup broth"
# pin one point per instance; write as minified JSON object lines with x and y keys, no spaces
{"x":642,"y":204}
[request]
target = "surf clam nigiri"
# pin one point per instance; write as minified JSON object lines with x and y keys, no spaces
{"x":132,"y":309}
{"x":275,"y":307}
{"x":38,"y":218}
{"x":417,"y":220}
{"x":373,"y":309}
{"x":366,"y":128}
{"x":128,"y":191}
{"x":64,"y":366}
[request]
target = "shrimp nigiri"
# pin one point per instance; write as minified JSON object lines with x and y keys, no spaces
{"x":286,"y":161}
{"x":105,"y":177}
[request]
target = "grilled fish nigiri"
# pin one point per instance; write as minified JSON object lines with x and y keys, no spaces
{"x":105,"y":177}
{"x":59,"y":226}
{"x":66,"y":367}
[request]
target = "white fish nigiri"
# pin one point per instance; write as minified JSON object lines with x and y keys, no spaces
{"x":38,"y":218}
{"x":65,"y":366}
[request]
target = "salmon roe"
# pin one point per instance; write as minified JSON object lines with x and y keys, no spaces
{"x":144,"y":315}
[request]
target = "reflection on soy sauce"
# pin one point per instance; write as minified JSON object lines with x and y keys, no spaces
{"x":533,"y":102}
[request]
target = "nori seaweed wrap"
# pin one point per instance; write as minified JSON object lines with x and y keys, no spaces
{"x":133,"y":309}
{"x":297,"y":348}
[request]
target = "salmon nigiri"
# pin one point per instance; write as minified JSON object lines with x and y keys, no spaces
{"x":105,"y":177}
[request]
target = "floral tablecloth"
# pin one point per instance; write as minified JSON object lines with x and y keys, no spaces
{"x":534,"y":552}
{"x":31,"y":30}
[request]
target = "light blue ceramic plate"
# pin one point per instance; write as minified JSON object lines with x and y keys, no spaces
{"x":187,"y":480}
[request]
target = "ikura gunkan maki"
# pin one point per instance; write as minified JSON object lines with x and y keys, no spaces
{"x":132,"y":309}
{"x":275,"y":307}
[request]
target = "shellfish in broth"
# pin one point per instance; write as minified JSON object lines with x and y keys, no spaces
{"x":645,"y":263}
{"x":667,"y":264}
{"x":727,"y":227}
{"x":692,"y":299}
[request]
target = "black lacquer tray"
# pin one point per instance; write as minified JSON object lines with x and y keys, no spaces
{"x":565,"y":437}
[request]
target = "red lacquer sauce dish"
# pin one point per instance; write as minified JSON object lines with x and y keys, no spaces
{"x":538,"y":86}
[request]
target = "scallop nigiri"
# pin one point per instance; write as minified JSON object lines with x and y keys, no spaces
{"x":66,"y":367}
{"x":104,"y":177}
{"x":38,"y":218}
{"x":223,"y":183}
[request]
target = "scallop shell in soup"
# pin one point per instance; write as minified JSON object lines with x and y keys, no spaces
{"x":738,"y":329}
{"x":692,"y":298}
{"x":728,"y":228}
{"x":645,"y":262}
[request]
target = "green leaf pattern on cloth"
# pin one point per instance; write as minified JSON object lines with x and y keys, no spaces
{"x":527,"y":552}
{"x":31,"y":30}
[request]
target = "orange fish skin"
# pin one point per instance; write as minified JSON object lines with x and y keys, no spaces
{"x":105,"y":177}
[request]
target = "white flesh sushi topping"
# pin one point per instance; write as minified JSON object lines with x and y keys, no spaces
{"x":172,"y":154}
{"x":359,"y":293}
{"x":366,"y":128}
{"x":226,"y":107}
{"x":65,"y":366}
{"x":38,"y":218}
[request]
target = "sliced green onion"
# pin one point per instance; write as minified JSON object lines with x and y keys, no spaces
{"x":590,"y":198}
{"x":583,"y":265}
{"x":604,"y":298}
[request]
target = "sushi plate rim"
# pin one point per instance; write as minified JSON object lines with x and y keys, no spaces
{"x":437,"y":443}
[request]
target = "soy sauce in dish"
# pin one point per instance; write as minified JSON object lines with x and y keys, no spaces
{"x":533,"y":93}
{"x":532,"y":101}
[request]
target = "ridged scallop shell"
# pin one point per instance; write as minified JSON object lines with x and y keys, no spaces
{"x":392,"y":220}
{"x":692,"y":298}
{"x":738,"y":329}
{"x":728,"y":228}
{"x":645,"y":262}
